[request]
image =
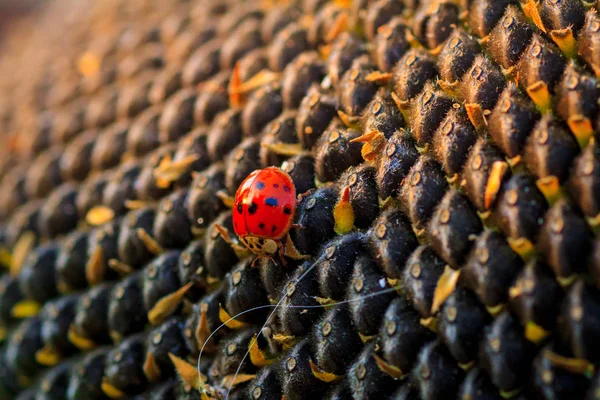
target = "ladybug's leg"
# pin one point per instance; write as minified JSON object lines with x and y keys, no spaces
{"x":224,"y":234}
{"x":303,"y":195}
{"x":240,"y":251}
{"x":291,"y":251}
{"x":281,"y":253}
{"x":255,"y":261}
{"x":297,"y":226}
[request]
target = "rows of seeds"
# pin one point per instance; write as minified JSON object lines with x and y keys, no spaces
{"x":535,"y":287}
{"x":455,"y":223}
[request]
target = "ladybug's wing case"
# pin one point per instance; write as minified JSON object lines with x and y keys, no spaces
{"x":269,"y":204}
{"x":240,"y":208}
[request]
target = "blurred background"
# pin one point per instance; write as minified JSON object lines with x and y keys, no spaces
{"x":11,"y":10}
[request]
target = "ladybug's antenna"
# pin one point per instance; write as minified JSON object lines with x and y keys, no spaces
{"x":308,"y":270}
{"x":275,"y":307}
{"x":441,"y":295}
{"x":237,"y":371}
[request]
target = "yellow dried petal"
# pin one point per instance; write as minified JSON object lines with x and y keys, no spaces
{"x":445,"y":286}
{"x":88,"y":64}
{"x":122,"y":268}
{"x":5,"y":258}
{"x":82,"y":343}
{"x":136,"y":204}
{"x":235,"y":97}
{"x":230,"y":381}
{"x":151,"y":244}
{"x":21,"y":250}
{"x":540,"y":95}
{"x":343,"y":213}
{"x":535,"y":333}
{"x":582,"y":128}
{"x":151,"y":369}
{"x":322,"y":375}
{"x":285,"y":149}
{"x":167,"y":305}
{"x":430,"y":323}
{"x":99,"y":215}
{"x":476,"y":115}
{"x":348,"y":120}
{"x":566,"y":41}
{"x":574,"y":365}
{"x":261,"y":79}
{"x":95,"y":267}
{"x":550,"y":188}
{"x":188,"y":373}
{"x":172,"y":171}
{"x":47,"y":356}
{"x":374,"y":142}
{"x":523,"y":247}
{"x":378,"y":76}
{"x":111,"y":391}
{"x":257,"y":356}
{"x":339,"y":25}
{"x":387,"y":368}
{"x":225,"y":318}
{"x":25,"y":309}
{"x":494,"y":182}
{"x":226,"y":198}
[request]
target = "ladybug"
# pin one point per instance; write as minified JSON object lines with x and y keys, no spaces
{"x":263,"y":210}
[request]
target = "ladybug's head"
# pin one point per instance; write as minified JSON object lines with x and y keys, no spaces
{"x":260,"y":246}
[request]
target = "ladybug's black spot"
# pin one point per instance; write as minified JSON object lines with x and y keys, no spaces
{"x":253,"y":207}
{"x":287,"y":210}
{"x":286,"y":188}
{"x":260,"y":185}
{"x":261,"y":226}
{"x":239,"y":207}
{"x":271,"y":201}
{"x":276,"y":185}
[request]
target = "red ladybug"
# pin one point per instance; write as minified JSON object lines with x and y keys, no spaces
{"x":263,"y":210}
